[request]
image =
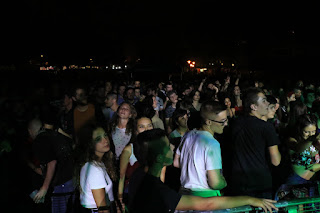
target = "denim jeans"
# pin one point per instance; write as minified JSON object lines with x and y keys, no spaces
{"x":293,"y":180}
{"x":63,"y":198}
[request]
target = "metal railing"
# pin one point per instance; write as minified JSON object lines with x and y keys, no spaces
{"x":290,"y":206}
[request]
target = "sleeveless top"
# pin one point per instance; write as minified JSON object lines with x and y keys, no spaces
{"x":133,"y":164}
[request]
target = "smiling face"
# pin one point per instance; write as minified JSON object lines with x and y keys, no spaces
{"x":124,"y":111}
{"x":309,"y":131}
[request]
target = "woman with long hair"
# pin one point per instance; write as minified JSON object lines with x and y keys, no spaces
{"x":95,"y":169}
{"x":195,"y":98}
{"x":128,"y":161}
{"x":303,"y":147}
{"x":122,"y":127}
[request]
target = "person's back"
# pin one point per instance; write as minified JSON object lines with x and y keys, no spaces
{"x":154,"y":196}
{"x":250,"y":169}
{"x":255,"y":145}
{"x":200,"y":152}
{"x":50,"y":145}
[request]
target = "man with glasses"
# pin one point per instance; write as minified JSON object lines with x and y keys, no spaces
{"x":199,"y":154}
{"x":255,"y":144}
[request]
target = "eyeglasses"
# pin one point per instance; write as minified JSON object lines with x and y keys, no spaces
{"x":220,"y":122}
{"x":98,"y":138}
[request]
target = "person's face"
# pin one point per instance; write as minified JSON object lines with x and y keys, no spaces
{"x":271,"y":111}
{"x":300,"y":84}
{"x":137,"y":93}
{"x":121,"y":90}
{"x":237,"y":91}
{"x":262,"y":105}
{"x":210,"y":86}
{"x":183,"y":121}
{"x":196,"y":96}
{"x":81,"y":97}
{"x":292,"y":98}
{"x":130,"y":94}
{"x":309,"y":131}
{"x":101,"y":140}
{"x":124,"y":111}
{"x":187,"y":91}
{"x":109,"y":101}
{"x":260,"y":84}
{"x":218,"y":122}
{"x":227,"y":102}
{"x":144,"y":124}
{"x":169,"y":88}
{"x":154,"y":102}
{"x":108,"y":87}
{"x":150,"y":92}
{"x":173,"y":97}
{"x":137,"y":84}
{"x":310,"y":98}
{"x":160,"y":86}
{"x":67,"y":101}
{"x":297,"y":93}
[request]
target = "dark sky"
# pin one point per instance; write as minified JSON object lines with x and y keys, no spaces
{"x":69,"y":30}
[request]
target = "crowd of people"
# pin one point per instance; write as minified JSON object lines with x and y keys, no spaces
{"x":160,"y":146}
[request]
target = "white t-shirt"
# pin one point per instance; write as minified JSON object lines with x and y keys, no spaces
{"x":199,"y":152}
{"x":120,"y":140}
{"x":93,"y":176}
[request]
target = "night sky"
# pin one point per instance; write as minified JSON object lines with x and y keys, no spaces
{"x":157,"y":32}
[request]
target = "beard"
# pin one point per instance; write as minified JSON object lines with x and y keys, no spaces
{"x":81,"y":103}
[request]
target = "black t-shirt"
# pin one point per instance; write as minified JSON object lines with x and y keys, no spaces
{"x":66,"y":122}
{"x":251,"y":138}
{"x":50,"y":145}
{"x":154,"y":196}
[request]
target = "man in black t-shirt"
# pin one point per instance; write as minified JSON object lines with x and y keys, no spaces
{"x":152,"y":195}
{"x":54,"y":151}
{"x":255,"y":145}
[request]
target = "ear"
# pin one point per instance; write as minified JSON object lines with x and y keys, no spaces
{"x":208,"y":122}
{"x":253,"y":107}
{"x":73,"y":98}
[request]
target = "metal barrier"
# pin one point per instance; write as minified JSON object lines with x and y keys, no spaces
{"x":291,"y":206}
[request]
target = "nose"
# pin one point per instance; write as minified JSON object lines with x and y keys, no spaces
{"x":105,"y":140}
